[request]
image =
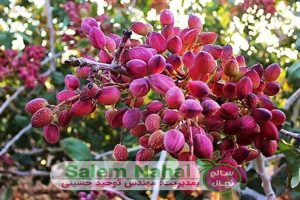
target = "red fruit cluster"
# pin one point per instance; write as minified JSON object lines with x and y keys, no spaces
{"x":27,"y":66}
{"x":209,"y":99}
{"x":269,"y":6}
{"x":75,"y":12}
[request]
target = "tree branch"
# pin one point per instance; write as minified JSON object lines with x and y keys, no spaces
{"x":11,"y":98}
{"x":290,"y":134}
{"x":49,"y":59}
{"x":14,"y":139}
{"x":96,"y":66}
{"x":161,"y":161}
{"x":290,"y":101}
{"x":279,"y":169}
{"x":38,"y":150}
{"x":115,"y":66}
{"x":26,"y":173}
{"x":265,"y":178}
{"x":276,"y":156}
{"x":126,"y":35}
{"x":51,"y":35}
{"x":296,"y":109}
{"x":191,"y":140}
{"x":252,"y":193}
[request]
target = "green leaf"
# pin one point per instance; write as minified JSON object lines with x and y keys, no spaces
{"x":26,"y":37}
{"x":6,"y":39}
{"x":4,"y":2}
{"x":279,"y":181}
{"x":76,"y":149}
{"x":58,"y":78}
{"x":298,"y":44}
{"x":20,"y":120}
{"x":295,"y":181}
{"x":293,"y":159}
{"x":6,"y":193}
{"x":83,"y":43}
{"x":66,"y":20}
{"x":293,"y":74}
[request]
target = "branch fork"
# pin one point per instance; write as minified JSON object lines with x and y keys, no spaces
{"x":115,"y":66}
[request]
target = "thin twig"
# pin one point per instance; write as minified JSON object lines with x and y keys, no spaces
{"x":290,"y":101}
{"x":115,"y":66}
{"x":95,"y":65}
{"x":14,"y":139}
{"x":191,"y":140}
{"x":279,"y":169}
{"x":126,"y":35}
{"x":290,"y":134}
{"x":50,"y":69}
{"x":11,"y":98}
{"x":38,"y":150}
{"x":161,"y":161}
{"x":51,"y":35}
{"x":109,"y":153}
{"x":276,"y":156}
{"x":50,"y":58}
{"x":26,"y":173}
{"x":265,"y":178}
{"x":252,"y":193}
{"x":26,"y":128}
{"x":296,"y":109}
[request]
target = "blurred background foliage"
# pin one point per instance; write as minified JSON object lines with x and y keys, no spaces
{"x":264,"y":31}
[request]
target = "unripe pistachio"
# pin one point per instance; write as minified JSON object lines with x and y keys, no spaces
{"x":244,"y":87}
{"x":158,"y":42}
{"x":51,"y":133}
{"x":173,"y":141}
{"x":203,"y":147}
{"x":278,"y":117}
{"x":131,"y":118}
{"x":120,"y":152}
{"x":166,"y":17}
{"x":144,"y":155}
{"x":152,"y":122}
{"x":71,"y":82}
{"x":190,"y":108}
{"x":139,"y":28}
{"x":229,"y":110}
{"x":160,"y":83}
{"x":231,"y":68}
{"x":108,"y":95}
{"x":156,"y":64}
{"x":154,"y":107}
{"x":272,"y":72}
{"x":139,"y":87}
{"x":174,"y":97}
{"x":207,"y":38}
{"x":97,"y":38}
{"x":198,"y":89}
{"x":156,"y":140}
{"x":35,"y":105}
{"x":194,"y":22}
